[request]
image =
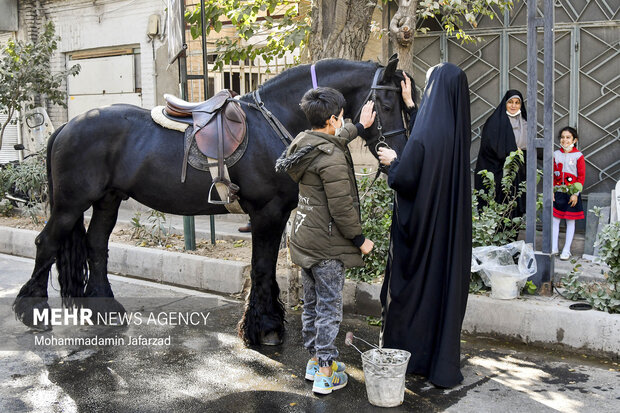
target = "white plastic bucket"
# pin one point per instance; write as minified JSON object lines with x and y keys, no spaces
{"x":384,"y":373}
{"x":504,"y":288}
{"x":506,"y":282}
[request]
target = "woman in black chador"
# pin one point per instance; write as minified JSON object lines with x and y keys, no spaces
{"x":503,"y":132}
{"x":424,"y":293}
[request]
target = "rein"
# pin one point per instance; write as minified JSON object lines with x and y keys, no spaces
{"x":275,"y":124}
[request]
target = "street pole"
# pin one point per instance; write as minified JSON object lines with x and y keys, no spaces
{"x":189,"y":225}
{"x":544,"y":259}
{"x":205,"y":74}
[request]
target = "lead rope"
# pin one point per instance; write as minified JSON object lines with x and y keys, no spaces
{"x":371,"y":184}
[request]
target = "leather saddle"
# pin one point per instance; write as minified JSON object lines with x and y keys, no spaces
{"x":219,"y":128}
{"x":204,"y":119}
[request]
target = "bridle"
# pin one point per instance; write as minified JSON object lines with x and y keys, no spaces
{"x":372,"y":95}
{"x":286,"y":137}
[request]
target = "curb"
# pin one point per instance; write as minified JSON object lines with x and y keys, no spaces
{"x":176,"y":268}
{"x":545,"y":321}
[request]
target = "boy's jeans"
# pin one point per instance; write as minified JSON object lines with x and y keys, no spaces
{"x":322,"y":314}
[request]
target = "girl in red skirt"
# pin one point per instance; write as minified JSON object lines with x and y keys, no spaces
{"x":569,"y":170}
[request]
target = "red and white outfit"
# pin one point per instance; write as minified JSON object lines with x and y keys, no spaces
{"x":568,"y":169}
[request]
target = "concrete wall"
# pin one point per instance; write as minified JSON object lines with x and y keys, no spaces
{"x":8,"y":15}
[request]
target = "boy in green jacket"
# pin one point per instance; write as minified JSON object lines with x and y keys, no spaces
{"x":327,"y":235}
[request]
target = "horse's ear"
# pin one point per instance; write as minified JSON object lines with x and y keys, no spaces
{"x":390,"y":69}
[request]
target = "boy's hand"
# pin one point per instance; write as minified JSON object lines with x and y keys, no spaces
{"x":386,"y":156}
{"x":367,"y":116}
{"x":367,"y":246}
{"x":405,"y":86}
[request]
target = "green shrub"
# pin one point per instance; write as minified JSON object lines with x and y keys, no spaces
{"x":376,"y":208}
{"x":608,"y":243}
{"x":27,"y":180}
{"x":603,"y":296}
{"x":153,"y":232}
{"x":494,"y":224}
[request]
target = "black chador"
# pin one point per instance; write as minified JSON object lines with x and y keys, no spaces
{"x":424,"y":293}
{"x":498,"y":140}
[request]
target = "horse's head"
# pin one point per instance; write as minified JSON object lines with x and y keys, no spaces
{"x":390,"y":127}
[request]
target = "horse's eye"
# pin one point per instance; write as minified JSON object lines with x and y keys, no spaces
{"x":386,"y":108}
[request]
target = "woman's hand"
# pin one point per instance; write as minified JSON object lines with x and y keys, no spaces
{"x":573,"y":200}
{"x":386,"y":155}
{"x":367,"y":116}
{"x":405,"y":85}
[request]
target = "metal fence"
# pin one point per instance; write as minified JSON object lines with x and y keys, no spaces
{"x":587,"y":75}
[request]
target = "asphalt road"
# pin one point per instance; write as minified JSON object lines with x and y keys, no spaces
{"x":206,"y":368}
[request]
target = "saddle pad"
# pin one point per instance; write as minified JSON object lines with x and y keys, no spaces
{"x":157,"y":114}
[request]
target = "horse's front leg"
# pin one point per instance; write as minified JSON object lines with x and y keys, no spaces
{"x":263,"y":320}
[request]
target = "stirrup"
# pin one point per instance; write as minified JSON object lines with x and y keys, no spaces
{"x":231,"y":188}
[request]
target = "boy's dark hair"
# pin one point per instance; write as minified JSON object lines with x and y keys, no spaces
{"x":570,"y":130}
{"x":320,"y":104}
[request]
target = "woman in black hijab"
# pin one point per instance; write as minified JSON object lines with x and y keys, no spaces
{"x":426,"y":283}
{"x":503,"y":132}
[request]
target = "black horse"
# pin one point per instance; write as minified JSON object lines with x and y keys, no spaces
{"x":110,"y":154}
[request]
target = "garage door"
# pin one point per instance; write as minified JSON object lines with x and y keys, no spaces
{"x":102,"y":81}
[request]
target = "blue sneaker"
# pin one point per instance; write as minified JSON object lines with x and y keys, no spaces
{"x":313,"y":367}
{"x":326,"y":384}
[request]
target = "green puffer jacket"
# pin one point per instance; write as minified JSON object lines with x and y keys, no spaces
{"x":328,"y":215}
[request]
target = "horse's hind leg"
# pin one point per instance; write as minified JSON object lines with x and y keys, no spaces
{"x":33,"y":294}
{"x":99,"y":296}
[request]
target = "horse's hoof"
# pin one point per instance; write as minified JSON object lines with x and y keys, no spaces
{"x":270,"y":339}
{"x":25,"y":308}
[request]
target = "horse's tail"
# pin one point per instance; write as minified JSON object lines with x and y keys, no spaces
{"x":72,"y":264}
{"x":48,"y":163}
{"x":72,"y":254}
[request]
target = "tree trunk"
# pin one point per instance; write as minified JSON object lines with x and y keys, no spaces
{"x":4,"y":125}
{"x":402,"y":30}
{"x":340,"y":28}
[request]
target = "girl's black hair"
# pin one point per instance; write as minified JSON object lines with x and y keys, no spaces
{"x":570,"y":130}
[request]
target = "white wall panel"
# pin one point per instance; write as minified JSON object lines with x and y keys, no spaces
{"x":103,"y":75}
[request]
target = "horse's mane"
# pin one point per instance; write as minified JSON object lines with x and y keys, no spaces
{"x":300,"y":68}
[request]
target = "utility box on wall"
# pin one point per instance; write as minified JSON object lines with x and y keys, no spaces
{"x":8,"y":15}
